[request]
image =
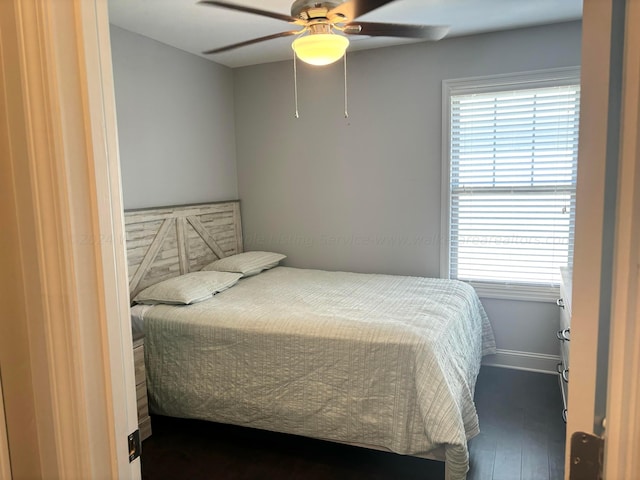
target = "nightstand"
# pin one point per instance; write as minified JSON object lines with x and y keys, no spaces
{"x":144,"y":421}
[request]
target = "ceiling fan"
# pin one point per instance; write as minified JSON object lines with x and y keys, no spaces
{"x":325,"y":25}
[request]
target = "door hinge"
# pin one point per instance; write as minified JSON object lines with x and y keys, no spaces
{"x":587,"y":455}
{"x":134,"y":445}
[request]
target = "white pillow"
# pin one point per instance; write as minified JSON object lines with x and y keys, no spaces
{"x":188,"y":288}
{"x":247,"y":263}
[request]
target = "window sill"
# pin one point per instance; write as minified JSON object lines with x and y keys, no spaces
{"x":529,"y":293}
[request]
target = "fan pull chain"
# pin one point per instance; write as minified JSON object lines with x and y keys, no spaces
{"x":346,"y":112}
{"x":295,"y":84}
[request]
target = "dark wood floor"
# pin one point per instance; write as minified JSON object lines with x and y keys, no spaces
{"x":522,"y":438}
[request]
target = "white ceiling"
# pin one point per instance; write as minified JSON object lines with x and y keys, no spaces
{"x":194,"y":28}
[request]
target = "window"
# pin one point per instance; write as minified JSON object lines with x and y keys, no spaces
{"x":511,"y":169}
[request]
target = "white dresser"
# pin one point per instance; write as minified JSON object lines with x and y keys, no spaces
{"x":564,"y":334}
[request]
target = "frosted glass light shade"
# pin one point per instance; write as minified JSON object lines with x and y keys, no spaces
{"x":320,"y":48}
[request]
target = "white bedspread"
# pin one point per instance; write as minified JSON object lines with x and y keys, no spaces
{"x":378,"y":360}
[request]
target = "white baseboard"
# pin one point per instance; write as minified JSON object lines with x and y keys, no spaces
{"x":533,"y":362}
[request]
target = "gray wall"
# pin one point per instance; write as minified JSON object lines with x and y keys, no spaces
{"x":175,"y":124}
{"x":364,"y":193}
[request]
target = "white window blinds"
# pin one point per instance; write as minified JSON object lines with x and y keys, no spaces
{"x":512,"y":178}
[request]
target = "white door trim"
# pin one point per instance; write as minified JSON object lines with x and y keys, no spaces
{"x":605,"y":67}
{"x":622,"y":432}
{"x":109,"y":215}
{"x":69,"y":388}
{"x":590,"y":192}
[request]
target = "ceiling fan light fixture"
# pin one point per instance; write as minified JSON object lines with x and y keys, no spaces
{"x":321,"y":48}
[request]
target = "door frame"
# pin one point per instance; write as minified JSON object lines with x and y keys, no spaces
{"x":66,"y":357}
{"x":62,"y":48}
{"x":622,"y":432}
{"x":605,"y":340}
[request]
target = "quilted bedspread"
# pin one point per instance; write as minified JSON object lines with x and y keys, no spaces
{"x":378,"y":360}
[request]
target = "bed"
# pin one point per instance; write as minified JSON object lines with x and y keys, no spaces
{"x":379,"y":361}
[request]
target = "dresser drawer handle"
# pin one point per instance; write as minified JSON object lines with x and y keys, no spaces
{"x":563,"y":372}
{"x":563,"y":335}
{"x":560,"y":302}
{"x":564,"y":415}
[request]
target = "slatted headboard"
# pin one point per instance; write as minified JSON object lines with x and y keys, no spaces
{"x":165,"y":242}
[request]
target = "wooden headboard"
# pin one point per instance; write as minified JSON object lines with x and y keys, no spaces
{"x":165,"y":242}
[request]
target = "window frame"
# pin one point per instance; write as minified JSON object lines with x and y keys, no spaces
{"x":493,"y":83}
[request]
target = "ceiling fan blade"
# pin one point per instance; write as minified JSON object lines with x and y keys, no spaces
{"x":250,"y":42}
{"x":264,"y":13}
{"x":373,"y":29}
{"x":352,"y":9}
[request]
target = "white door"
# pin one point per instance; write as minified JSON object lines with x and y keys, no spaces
{"x":66,"y":356}
{"x":605,"y":339}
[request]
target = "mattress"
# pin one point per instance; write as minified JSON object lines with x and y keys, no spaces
{"x":137,"y":318}
{"x":378,"y":360}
